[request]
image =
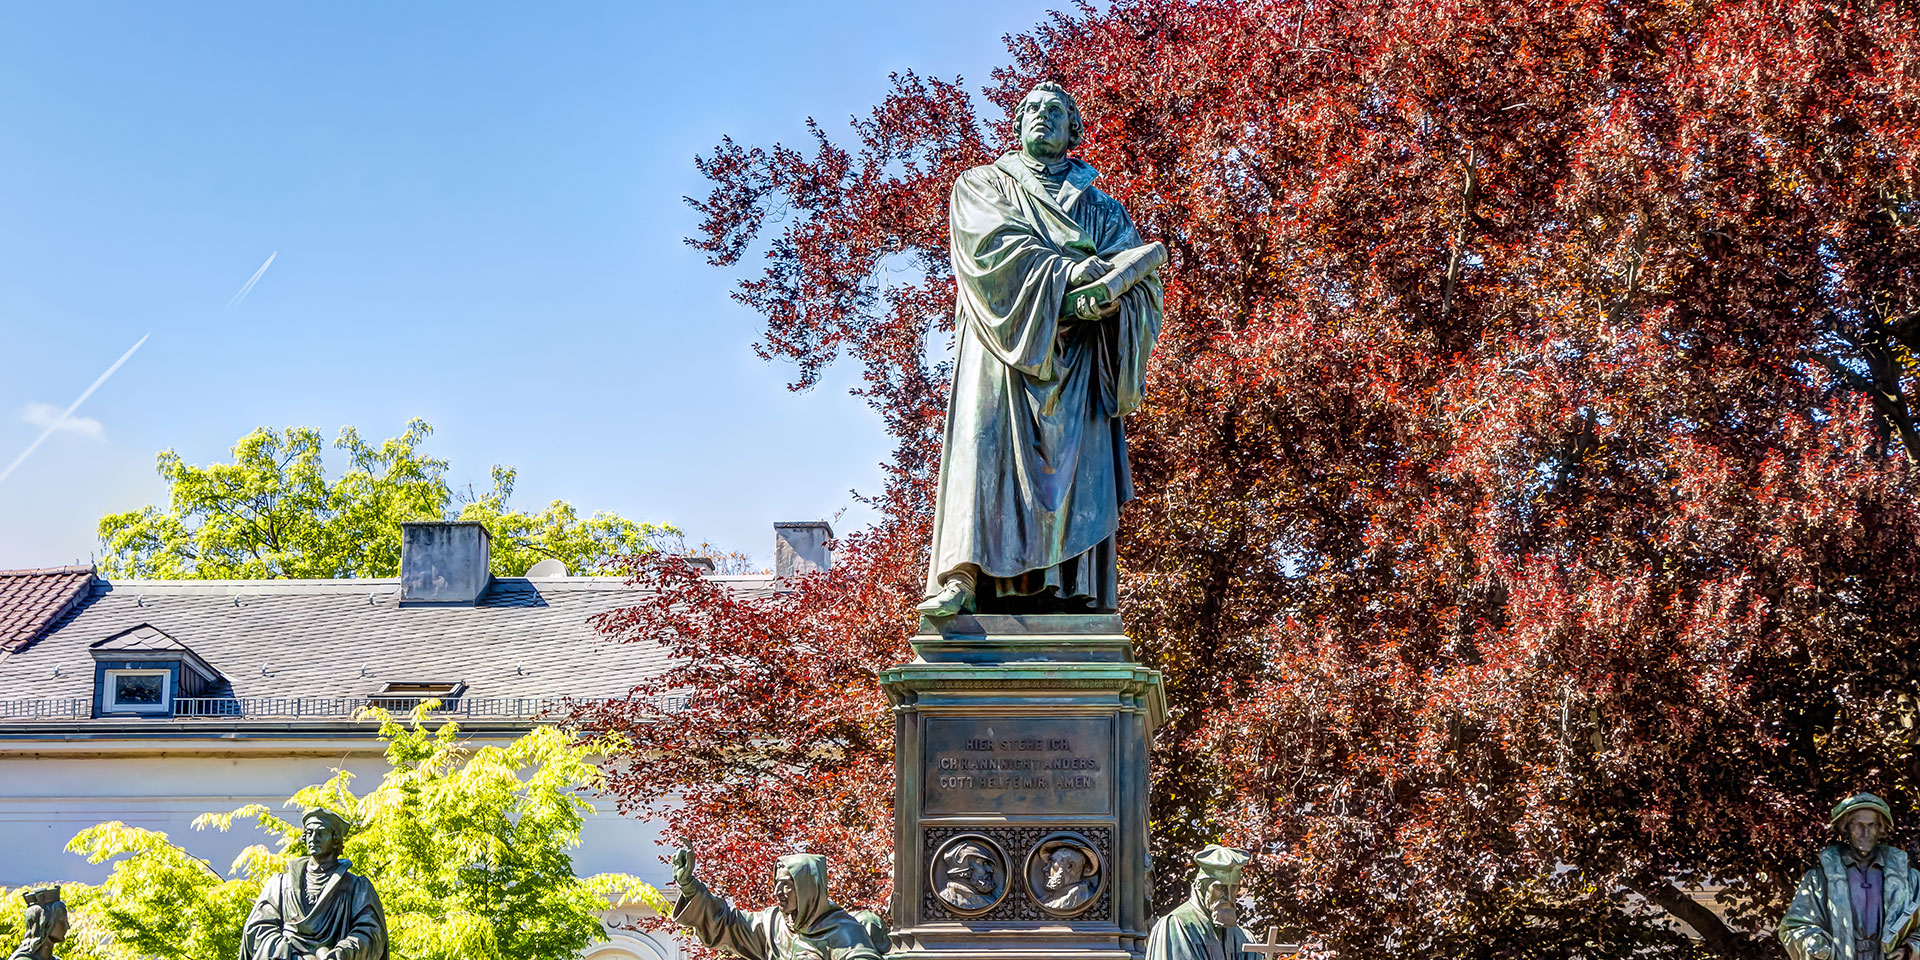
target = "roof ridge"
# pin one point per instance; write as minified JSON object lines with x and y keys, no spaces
{"x":48,"y":571}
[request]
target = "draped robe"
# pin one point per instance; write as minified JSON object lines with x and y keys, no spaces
{"x":35,"y":948}
{"x":1821,"y":914}
{"x":1187,"y":933}
{"x":821,"y":930}
{"x":1034,"y":467}
{"x":346,"y":913}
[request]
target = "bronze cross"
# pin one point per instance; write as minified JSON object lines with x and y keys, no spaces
{"x":1273,"y":949}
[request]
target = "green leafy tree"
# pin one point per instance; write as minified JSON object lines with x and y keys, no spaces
{"x":591,"y":545}
{"x":160,"y":902}
{"x":272,"y":513}
{"x":469,"y":848}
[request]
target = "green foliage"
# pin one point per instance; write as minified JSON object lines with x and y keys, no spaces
{"x":272,"y":513}
{"x":161,"y":902}
{"x":590,"y":546}
{"x":468,"y":848}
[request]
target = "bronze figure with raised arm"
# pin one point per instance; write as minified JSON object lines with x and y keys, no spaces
{"x":801,"y":925}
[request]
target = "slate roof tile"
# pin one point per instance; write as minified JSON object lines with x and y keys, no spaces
{"x":142,"y":637}
{"x":348,"y":638}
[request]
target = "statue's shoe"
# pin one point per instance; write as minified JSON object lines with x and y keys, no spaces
{"x":952,"y":598}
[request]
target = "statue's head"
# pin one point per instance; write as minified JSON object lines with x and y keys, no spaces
{"x":325,"y":833}
{"x":972,"y":866}
{"x":1049,"y":122}
{"x":46,"y":917}
{"x":1216,"y":883}
{"x":1066,"y":866}
{"x":800,"y":887}
{"x":1863,"y":821}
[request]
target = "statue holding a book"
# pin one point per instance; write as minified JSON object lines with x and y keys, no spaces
{"x":1058,"y":307}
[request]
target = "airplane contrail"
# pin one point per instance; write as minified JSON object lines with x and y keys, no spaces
{"x":62,"y":418}
{"x":247,"y":287}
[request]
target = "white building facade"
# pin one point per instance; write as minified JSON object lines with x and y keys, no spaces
{"x":152,"y":702}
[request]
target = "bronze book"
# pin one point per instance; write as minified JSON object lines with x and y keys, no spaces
{"x":1129,"y":267}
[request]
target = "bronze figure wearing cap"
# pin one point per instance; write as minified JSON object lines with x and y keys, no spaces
{"x":46,"y":924}
{"x":317,"y":909}
{"x":1859,"y":901}
{"x":1206,"y":926}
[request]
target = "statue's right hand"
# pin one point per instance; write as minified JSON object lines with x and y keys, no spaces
{"x":1087,"y":271}
{"x":683,"y":867}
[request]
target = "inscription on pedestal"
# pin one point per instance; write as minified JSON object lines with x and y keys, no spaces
{"x":1018,"y":765}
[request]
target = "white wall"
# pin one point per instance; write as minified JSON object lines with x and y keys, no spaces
{"x":48,"y":795}
{"x":49,"y":792}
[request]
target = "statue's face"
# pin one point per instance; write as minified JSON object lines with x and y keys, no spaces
{"x":1064,"y":868}
{"x":783,"y":891}
{"x":1220,"y":898}
{"x":975,"y":872}
{"x":57,"y":922}
{"x":320,"y":839}
{"x":1863,"y":830}
{"x":1045,"y":125}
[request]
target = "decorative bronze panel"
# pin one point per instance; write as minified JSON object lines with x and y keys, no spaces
{"x":1022,"y":843}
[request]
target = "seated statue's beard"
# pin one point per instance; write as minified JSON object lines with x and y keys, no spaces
{"x":1225,"y":916}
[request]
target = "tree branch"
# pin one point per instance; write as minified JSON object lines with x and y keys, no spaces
{"x":1891,"y":405}
{"x":1469,"y":192}
{"x":1695,"y":914}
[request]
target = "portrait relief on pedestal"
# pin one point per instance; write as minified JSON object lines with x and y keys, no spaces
{"x":1023,"y":878}
{"x":1064,"y":874}
{"x":969,"y":874}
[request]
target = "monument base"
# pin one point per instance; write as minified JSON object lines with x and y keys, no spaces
{"x":1020,"y":805}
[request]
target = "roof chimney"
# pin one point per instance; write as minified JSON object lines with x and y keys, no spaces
{"x":443,"y":564}
{"x":800,"y":548}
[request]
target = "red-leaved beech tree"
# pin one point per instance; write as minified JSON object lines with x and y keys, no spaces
{"x":1527,"y":523}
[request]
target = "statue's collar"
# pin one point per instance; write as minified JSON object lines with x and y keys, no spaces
{"x":1078,"y":175}
{"x":297,"y":867}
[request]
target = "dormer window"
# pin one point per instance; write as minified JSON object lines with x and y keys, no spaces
{"x":139,"y":691}
{"x":143,"y":672}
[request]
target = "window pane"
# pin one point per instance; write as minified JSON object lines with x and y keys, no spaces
{"x":139,"y":690}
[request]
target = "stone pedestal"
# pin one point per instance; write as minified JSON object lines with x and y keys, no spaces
{"x":1017,"y":738}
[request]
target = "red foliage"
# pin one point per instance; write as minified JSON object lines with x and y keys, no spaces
{"x":785,"y":744}
{"x":1528,"y":509}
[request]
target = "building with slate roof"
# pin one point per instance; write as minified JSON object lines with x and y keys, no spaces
{"x":153,"y":701}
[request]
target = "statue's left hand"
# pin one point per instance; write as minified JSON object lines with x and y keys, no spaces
{"x":1089,"y":309}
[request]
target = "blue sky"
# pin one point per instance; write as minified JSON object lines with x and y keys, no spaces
{"x":477,"y":216}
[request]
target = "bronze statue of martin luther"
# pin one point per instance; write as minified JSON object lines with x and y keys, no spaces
{"x":1058,"y":307}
